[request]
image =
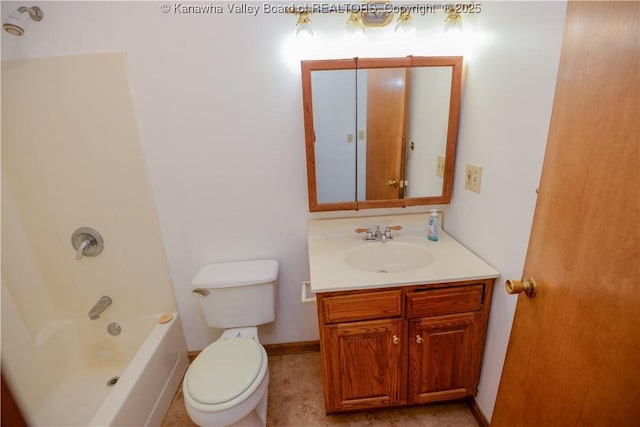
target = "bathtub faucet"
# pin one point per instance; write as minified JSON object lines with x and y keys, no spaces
{"x":99,"y":307}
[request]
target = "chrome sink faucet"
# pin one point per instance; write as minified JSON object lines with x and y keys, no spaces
{"x":378,"y":235}
{"x":99,"y":307}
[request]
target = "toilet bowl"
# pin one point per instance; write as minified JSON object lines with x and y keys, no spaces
{"x":227,"y":383}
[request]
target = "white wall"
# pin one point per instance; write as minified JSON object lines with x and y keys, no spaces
{"x":219,"y":107}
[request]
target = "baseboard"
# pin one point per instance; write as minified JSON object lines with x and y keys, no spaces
{"x":279,"y":349}
{"x":292,"y":348}
{"x":477,"y":413}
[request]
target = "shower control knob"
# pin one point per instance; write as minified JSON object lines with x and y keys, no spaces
{"x":87,"y":241}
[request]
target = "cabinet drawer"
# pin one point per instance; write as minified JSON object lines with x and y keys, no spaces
{"x":455,"y":299}
{"x":368,"y":305}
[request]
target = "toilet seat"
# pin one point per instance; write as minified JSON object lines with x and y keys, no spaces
{"x":224,"y":370}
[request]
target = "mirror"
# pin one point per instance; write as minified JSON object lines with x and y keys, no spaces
{"x":380,"y":132}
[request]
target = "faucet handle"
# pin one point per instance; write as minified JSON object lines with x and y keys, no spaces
{"x":387,"y":231}
{"x":87,"y":242}
{"x":369,"y":235}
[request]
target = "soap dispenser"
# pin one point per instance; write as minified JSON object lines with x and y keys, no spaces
{"x":433,"y":226}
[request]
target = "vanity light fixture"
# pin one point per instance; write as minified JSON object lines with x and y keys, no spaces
{"x":380,"y":16}
{"x":303,"y":26}
{"x":14,"y":23}
{"x":355,"y":26}
{"x":453,"y":22}
{"x":404,"y":24}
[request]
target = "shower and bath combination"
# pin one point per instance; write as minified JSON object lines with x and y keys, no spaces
{"x":39,"y":258}
{"x":16,"y":23}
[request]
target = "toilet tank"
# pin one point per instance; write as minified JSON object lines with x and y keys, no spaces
{"x":240,"y":293}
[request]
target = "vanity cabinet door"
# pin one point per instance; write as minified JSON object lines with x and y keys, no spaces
{"x":362,"y":364}
{"x":441,"y":357}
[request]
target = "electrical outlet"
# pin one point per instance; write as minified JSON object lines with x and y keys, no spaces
{"x":473,"y":177}
{"x":440,"y":166}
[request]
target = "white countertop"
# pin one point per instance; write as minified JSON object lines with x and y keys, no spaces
{"x":330,"y":239}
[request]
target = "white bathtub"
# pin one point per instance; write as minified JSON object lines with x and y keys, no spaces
{"x":148,"y":357}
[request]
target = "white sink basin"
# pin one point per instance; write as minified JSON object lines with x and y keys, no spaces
{"x":388,"y":257}
{"x":339,"y":260}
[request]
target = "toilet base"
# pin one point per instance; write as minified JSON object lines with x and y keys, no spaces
{"x":255,"y":418}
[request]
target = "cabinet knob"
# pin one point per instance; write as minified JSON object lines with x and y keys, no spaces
{"x":419,"y":339}
{"x":395,"y":339}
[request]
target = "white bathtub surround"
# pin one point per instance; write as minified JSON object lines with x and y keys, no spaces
{"x":71,"y":158}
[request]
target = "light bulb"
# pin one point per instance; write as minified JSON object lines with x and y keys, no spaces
{"x":303,"y":26}
{"x":404,"y":25}
{"x":453,"y":22}
{"x":355,"y":27}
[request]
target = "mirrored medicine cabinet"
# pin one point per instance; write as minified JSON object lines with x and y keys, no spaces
{"x":380,"y":132}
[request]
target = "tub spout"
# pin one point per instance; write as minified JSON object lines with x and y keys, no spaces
{"x":99,"y":307}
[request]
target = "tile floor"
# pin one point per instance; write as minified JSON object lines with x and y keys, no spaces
{"x":295,"y":400}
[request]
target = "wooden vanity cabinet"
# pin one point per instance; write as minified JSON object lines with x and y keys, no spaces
{"x":404,"y":345}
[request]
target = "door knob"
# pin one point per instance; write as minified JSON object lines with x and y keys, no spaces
{"x":528,"y":285}
{"x":419,"y":339}
{"x":392,"y":183}
{"x":395,"y":339}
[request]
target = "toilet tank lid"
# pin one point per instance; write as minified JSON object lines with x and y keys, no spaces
{"x":227,"y":274}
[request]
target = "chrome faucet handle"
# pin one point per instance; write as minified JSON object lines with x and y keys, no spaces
{"x":80,"y":249}
{"x":368,"y":236}
{"x":387,"y":233}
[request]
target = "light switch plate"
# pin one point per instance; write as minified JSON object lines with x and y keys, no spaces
{"x":440,"y":166}
{"x":473,"y":177}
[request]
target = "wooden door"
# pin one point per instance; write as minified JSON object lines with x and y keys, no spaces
{"x":440,"y":352}
{"x":574,"y":351}
{"x":387,"y":102}
{"x":364,"y":364}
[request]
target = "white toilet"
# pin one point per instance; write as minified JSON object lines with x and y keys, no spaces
{"x":226,"y":385}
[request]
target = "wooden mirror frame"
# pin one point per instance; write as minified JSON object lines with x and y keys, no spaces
{"x":360,"y":63}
